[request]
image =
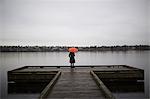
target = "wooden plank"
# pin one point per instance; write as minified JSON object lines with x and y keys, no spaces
{"x":31,"y":76}
{"x":135,"y":74}
{"x":77,"y":66}
{"x":101,"y":85}
{"x":47,"y":89}
{"x":76,"y":84}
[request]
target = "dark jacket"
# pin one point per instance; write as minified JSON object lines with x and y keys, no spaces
{"x":72,"y":59}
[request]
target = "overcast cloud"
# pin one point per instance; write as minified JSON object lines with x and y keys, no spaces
{"x":74,"y":22}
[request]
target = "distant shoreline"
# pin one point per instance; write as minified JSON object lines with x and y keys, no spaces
{"x":65,"y":48}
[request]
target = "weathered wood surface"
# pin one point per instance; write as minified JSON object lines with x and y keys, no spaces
{"x":102,"y":86}
{"x":85,"y":67}
{"x":76,"y":84}
{"x":28,"y":76}
{"x":128,"y":74}
{"x":48,"y":88}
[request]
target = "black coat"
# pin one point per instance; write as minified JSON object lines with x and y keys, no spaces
{"x":72,"y":59}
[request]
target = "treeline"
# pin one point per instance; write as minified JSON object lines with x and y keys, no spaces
{"x":65,"y":48}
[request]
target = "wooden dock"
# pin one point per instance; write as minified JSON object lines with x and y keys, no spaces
{"x":82,"y":82}
{"x":75,"y":84}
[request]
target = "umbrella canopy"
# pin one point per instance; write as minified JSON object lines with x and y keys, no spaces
{"x":72,"y":49}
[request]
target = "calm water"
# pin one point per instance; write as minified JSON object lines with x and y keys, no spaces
{"x":12,"y":60}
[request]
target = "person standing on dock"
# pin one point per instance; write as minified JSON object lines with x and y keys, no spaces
{"x":72,"y":59}
{"x":72,"y":51}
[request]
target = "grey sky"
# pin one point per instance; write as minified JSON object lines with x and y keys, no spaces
{"x":74,"y":22}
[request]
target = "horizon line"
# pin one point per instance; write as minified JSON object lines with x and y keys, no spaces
{"x":76,"y":45}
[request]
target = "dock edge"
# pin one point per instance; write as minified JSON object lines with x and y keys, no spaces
{"x":48,"y":88}
{"x":101,"y":85}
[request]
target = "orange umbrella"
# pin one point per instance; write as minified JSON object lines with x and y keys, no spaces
{"x":72,"y":49}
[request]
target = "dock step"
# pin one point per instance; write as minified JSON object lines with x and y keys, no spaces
{"x":76,"y":84}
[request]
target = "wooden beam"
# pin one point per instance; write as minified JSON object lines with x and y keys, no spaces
{"x":48,"y":88}
{"x":101,"y":85}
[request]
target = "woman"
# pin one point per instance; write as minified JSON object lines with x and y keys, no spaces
{"x":72,"y":59}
